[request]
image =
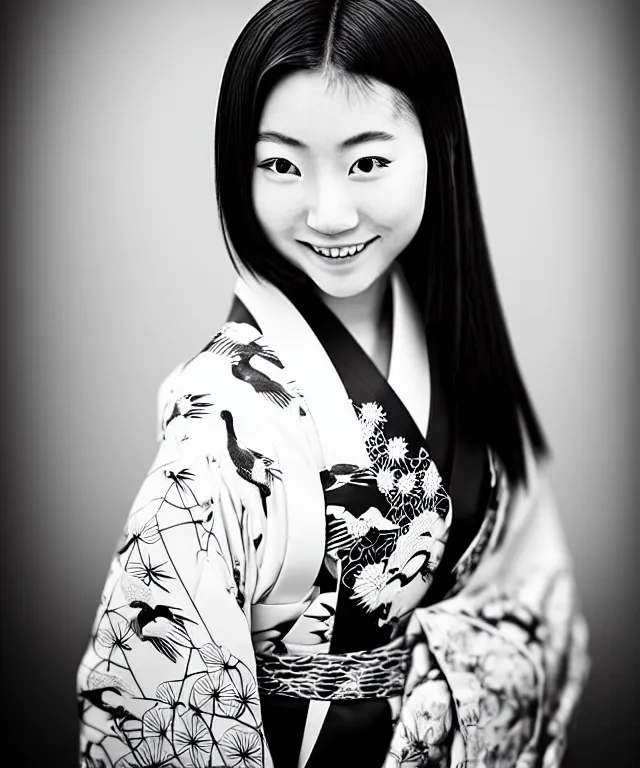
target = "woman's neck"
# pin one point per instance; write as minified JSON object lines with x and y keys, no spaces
{"x":366,"y":319}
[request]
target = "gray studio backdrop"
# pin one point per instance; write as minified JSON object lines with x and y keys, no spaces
{"x":118,"y":272}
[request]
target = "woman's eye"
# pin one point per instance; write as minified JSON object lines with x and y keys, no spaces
{"x":367,"y":164}
{"x":281,"y":166}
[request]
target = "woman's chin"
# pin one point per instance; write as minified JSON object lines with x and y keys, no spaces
{"x":342,"y":290}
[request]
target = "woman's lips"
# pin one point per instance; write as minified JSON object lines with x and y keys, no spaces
{"x":347,"y":256}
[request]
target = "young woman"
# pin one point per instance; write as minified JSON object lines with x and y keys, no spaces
{"x":345,"y":552}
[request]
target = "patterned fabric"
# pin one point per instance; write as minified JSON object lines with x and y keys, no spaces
{"x":286,"y":515}
{"x":388,"y":554}
{"x":377,"y":674}
{"x":491,"y":530}
{"x":514,"y":657}
{"x":164,"y":680}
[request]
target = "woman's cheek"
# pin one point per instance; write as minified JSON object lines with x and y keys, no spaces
{"x":404,"y":194}
{"x":267,"y":212}
{"x":277,"y":208}
{"x":409,"y":183}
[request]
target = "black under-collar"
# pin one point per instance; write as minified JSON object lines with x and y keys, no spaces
{"x":461,"y":462}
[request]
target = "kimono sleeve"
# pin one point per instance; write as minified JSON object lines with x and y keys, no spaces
{"x":168,"y":677}
{"x":499,"y":669}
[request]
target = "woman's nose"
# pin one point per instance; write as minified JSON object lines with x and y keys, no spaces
{"x":331,"y":210}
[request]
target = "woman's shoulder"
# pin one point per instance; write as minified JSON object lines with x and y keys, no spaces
{"x":236,"y":369}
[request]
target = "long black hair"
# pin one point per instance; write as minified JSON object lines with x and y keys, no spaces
{"x":447,"y":264}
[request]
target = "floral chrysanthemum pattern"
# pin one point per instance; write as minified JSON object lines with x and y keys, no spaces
{"x":390,"y":552}
{"x":169,"y":677}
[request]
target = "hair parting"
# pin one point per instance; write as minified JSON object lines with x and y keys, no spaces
{"x":357,"y":44}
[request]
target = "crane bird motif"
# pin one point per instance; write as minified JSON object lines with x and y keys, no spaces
{"x":241,"y":354}
{"x":160,"y":625}
{"x":340,"y":474}
{"x":252,"y":466}
{"x":99,"y":683}
{"x":353,"y":487}
{"x":418,"y":550}
{"x":189,"y":406}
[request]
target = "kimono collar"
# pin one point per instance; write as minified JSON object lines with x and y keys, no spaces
{"x":300,"y":350}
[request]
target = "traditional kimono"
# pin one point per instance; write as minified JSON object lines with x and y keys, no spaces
{"x":321,"y":569}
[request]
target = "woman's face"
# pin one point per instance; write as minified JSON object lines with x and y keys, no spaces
{"x":334,"y":168}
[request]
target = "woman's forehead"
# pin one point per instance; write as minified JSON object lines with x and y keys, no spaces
{"x":306,"y":104}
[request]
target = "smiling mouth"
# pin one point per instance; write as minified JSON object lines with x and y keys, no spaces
{"x":338,"y":253}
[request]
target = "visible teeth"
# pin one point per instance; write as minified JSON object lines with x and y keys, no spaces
{"x":339,"y":252}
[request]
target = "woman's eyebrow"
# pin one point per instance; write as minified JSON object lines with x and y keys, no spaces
{"x":359,"y":138}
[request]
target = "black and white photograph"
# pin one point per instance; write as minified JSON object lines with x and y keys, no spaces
{"x":320,"y":376}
